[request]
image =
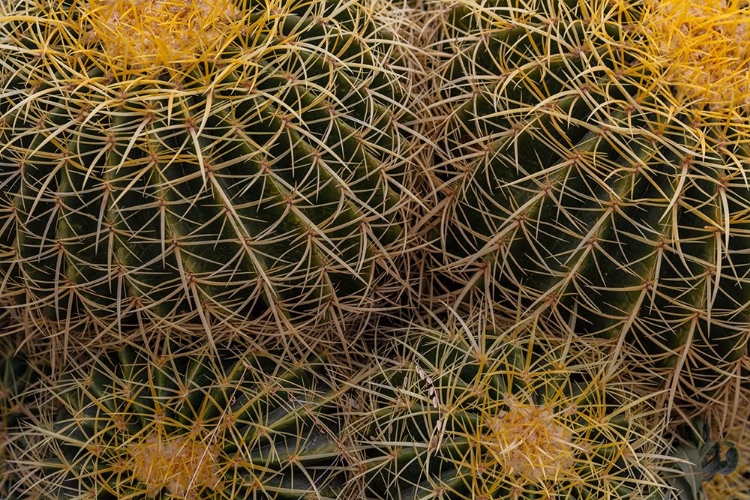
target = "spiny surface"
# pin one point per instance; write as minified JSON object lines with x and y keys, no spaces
{"x":529,"y":442}
{"x":158,"y":32}
{"x":704,"y":50}
{"x":263,"y":180}
{"x":189,"y":424}
{"x":20,"y":378}
{"x":594,"y":166}
{"x":460,"y":414}
{"x":182,"y":465}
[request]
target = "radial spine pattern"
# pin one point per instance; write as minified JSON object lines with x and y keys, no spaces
{"x":472,"y":414}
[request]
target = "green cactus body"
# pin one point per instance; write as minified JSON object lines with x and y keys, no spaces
{"x":151,"y":172}
{"x":476,"y":415}
{"x":596,"y":158}
{"x":190,"y":425}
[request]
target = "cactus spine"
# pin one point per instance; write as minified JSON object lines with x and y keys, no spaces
{"x":18,"y":384}
{"x":227,"y":166}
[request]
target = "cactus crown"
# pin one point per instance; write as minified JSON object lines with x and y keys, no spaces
{"x":181,"y":464}
{"x":702,"y":47}
{"x":184,"y":423}
{"x":691,"y":55}
{"x":261,"y":174}
{"x":597,"y":157}
{"x":528,"y":440}
{"x":157,"y":32}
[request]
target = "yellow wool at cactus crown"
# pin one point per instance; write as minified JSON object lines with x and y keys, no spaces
{"x":155,"y":32}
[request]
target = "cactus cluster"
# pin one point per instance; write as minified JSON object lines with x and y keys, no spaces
{"x":469,"y":413}
{"x":374,"y":249}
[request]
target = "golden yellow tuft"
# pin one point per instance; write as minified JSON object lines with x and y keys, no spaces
{"x":529,"y":442}
{"x":182,"y":465}
{"x":703,"y":50}
{"x":147,"y":33}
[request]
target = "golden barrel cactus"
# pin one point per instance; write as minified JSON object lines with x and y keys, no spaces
{"x":595,"y":167}
{"x":201,"y":161}
{"x":176,"y":422}
{"x":465,"y":412}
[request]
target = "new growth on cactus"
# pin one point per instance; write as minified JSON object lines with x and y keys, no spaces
{"x":469,"y":413}
{"x":594,"y":166}
{"x":700,"y":50}
{"x":188,"y":424}
{"x":157,"y":33}
{"x":200,"y":161}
